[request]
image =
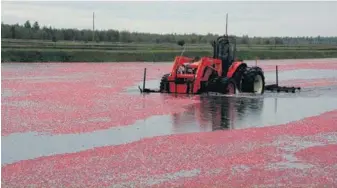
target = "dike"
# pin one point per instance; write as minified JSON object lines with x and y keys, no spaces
{"x":33,"y":55}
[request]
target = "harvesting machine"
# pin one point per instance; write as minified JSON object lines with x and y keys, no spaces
{"x":221,"y":73}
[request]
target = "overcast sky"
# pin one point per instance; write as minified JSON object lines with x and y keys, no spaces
{"x":253,"y":18}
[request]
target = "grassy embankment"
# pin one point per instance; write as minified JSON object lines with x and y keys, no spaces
{"x":65,"y":51}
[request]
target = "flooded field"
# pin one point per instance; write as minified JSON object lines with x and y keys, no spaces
{"x":63,"y":123}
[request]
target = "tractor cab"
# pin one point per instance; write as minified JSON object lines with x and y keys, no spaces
{"x":225,"y":51}
{"x":222,"y":50}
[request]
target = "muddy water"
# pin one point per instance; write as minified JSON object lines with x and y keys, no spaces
{"x":211,"y":113}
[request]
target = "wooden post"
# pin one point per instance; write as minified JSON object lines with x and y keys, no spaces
{"x":144,"y":79}
{"x":276,"y":75}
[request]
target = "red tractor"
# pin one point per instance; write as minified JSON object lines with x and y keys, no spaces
{"x":221,"y":73}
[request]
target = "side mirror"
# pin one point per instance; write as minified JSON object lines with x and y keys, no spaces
{"x":181,"y":42}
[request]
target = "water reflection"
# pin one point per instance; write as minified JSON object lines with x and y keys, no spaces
{"x":222,"y":112}
{"x":219,"y":112}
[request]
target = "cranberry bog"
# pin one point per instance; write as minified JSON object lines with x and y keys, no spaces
{"x":87,"y":125}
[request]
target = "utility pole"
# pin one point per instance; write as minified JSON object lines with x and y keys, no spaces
{"x":226,"y":22}
{"x":93,"y":26}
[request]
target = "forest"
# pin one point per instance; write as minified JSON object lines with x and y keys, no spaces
{"x":33,"y":30}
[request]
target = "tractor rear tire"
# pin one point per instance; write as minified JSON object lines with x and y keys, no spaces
{"x":253,"y":81}
{"x":164,"y":84}
{"x":227,"y":86}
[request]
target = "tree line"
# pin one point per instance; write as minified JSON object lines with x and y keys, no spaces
{"x":30,"y":30}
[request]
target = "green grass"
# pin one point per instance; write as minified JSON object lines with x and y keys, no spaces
{"x":67,"y":51}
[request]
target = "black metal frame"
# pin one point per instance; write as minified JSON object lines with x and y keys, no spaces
{"x":277,"y":88}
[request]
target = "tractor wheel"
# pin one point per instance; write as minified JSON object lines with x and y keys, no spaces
{"x":227,"y":86}
{"x":238,"y":76}
{"x":253,"y":81}
{"x":164,"y":84}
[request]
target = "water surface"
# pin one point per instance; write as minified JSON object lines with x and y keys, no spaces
{"x":210,"y":113}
